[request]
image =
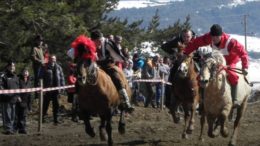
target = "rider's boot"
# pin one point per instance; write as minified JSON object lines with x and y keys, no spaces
{"x":235,"y":101}
{"x":126,"y":102}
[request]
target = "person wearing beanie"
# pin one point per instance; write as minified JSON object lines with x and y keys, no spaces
{"x":232,"y":50}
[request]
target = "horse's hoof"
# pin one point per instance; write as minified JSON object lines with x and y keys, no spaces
{"x":121,"y":128}
{"x":216,"y":132}
{"x":211,"y":135}
{"x":224,"y":132}
{"x":231,"y":144}
{"x":190,"y":129}
{"x":103,"y":134}
{"x":201,"y":139}
{"x":90,"y":132}
{"x":184,"y":136}
{"x":176,"y":120}
{"x":110,"y":143}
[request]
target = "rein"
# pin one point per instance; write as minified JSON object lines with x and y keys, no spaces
{"x":227,"y":68}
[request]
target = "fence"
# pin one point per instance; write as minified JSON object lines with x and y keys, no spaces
{"x":38,"y":89}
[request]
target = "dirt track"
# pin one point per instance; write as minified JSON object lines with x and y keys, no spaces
{"x":145,"y":127}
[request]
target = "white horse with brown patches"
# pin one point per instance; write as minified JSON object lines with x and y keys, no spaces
{"x":217,"y":97}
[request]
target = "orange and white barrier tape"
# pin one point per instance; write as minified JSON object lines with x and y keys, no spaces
{"x":153,"y":81}
{"x":11,"y":91}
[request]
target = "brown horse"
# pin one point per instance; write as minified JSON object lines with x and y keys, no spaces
{"x":98,"y":95}
{"x":185,"y":92}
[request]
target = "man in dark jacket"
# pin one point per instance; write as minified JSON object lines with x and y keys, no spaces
{"x":52,"y":77}
{"x":9,"y":80}
{"x":108,"y":53}
{"x":173,"y":47}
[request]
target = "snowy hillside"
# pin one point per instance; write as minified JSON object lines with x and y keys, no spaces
{"x":127,"y":4}
{"x":253,"y":46}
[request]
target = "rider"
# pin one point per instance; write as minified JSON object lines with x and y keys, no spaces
{"x":108,"y":54}
{"x":173,"y":47}
{"x":232,"y":50}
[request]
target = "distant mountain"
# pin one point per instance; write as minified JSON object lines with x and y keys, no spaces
{"x":203,"y":13}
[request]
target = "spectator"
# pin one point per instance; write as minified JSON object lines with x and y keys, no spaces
{"x":118,"y":40}
{"x":24,"y":104}
{"x":72,"y":98}
{"x":52,"y":77}
{"x":128,"y":71}
{"x":38,"y":61}
{"x":9,"y":80}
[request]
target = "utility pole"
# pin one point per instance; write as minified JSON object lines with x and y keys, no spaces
{"x":245,"y":25}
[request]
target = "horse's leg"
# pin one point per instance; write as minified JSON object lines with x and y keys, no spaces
{"x":216,"y":127}
{"x":88,"y":129}
{"x":186,"y":117}
{"x":230,"y":116}
{"x":202,"y":124}
{"x":211,"y":121}
{"x":109,"y":127}
{"x":240,"y":112}
{"x":223,"y":120}
{"x":121,"y":124}
{"x":174,"y":110}
{"x":223,"y":123}
{"x":192,"y":120}
{"x":102,"y":130}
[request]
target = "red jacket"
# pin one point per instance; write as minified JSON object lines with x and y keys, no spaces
{"x":236,"y":50}
{"x":71,"y":81}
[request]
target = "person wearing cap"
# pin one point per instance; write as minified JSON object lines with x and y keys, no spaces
{"x":9,"y":80}
{"x":107,"y":56}
{"x":232,"y":50}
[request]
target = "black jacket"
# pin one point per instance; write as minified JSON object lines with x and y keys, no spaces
{"x":24,"y":85}
{"x":9,"y":80}
{"x":170,"y":46}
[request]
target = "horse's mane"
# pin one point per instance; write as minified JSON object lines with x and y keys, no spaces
{"x":218,"y":57}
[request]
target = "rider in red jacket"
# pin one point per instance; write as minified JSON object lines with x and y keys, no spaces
{"x":232,"y":50}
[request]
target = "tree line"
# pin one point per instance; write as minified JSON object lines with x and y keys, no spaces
{"x":61,"y":21}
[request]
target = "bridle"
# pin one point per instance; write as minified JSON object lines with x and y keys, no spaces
{"x":91,"y":73}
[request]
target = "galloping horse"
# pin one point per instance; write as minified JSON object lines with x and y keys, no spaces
{"x":98,"y":95}
{"x":217,"y":97}
{"x":185,"y":92}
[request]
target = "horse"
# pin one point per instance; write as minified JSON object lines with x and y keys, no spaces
{"x":98,"y":95}
{"x":217,"y":97}
{"x":185,"y":92}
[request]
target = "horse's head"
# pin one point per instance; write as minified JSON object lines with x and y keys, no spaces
{"x":88,"y":70}
{"x":211,"y":67}
{"x":184,"y":67}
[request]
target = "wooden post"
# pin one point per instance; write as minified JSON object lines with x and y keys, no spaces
{"x":162,"y":93}
{"x":245,"y":25}
{"x":40,"y":106}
